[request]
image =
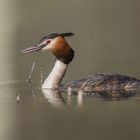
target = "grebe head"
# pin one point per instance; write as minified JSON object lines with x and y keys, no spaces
{"x":55,"y":43}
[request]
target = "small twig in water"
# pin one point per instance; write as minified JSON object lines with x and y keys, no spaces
{"x":41,"y":75}
{"x":29,"y":80}
{"x":18,"y":98}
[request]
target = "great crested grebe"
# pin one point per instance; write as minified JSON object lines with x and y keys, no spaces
{"x":64,"y":54}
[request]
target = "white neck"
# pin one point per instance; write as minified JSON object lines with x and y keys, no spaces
{"x":55,"y":77}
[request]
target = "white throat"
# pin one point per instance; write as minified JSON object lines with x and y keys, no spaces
{"x":54,"y":79}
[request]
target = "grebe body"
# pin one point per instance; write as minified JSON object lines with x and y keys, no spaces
{"x":57,"y":44}
{"x":102,"y":82}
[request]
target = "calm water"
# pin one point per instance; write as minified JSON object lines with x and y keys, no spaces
{"x":27,"y":112}
{"x":106,"y":40}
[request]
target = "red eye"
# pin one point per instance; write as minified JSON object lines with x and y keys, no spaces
{"x":48,"y":41}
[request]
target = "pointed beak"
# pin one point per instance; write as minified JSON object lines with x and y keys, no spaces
{"x":35,"y":48}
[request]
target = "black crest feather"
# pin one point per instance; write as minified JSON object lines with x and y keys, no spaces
{"x":53,"y":35}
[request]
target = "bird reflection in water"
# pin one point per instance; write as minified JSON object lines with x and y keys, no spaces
{"x":58,"y":98}
{"x":54,"y":97}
